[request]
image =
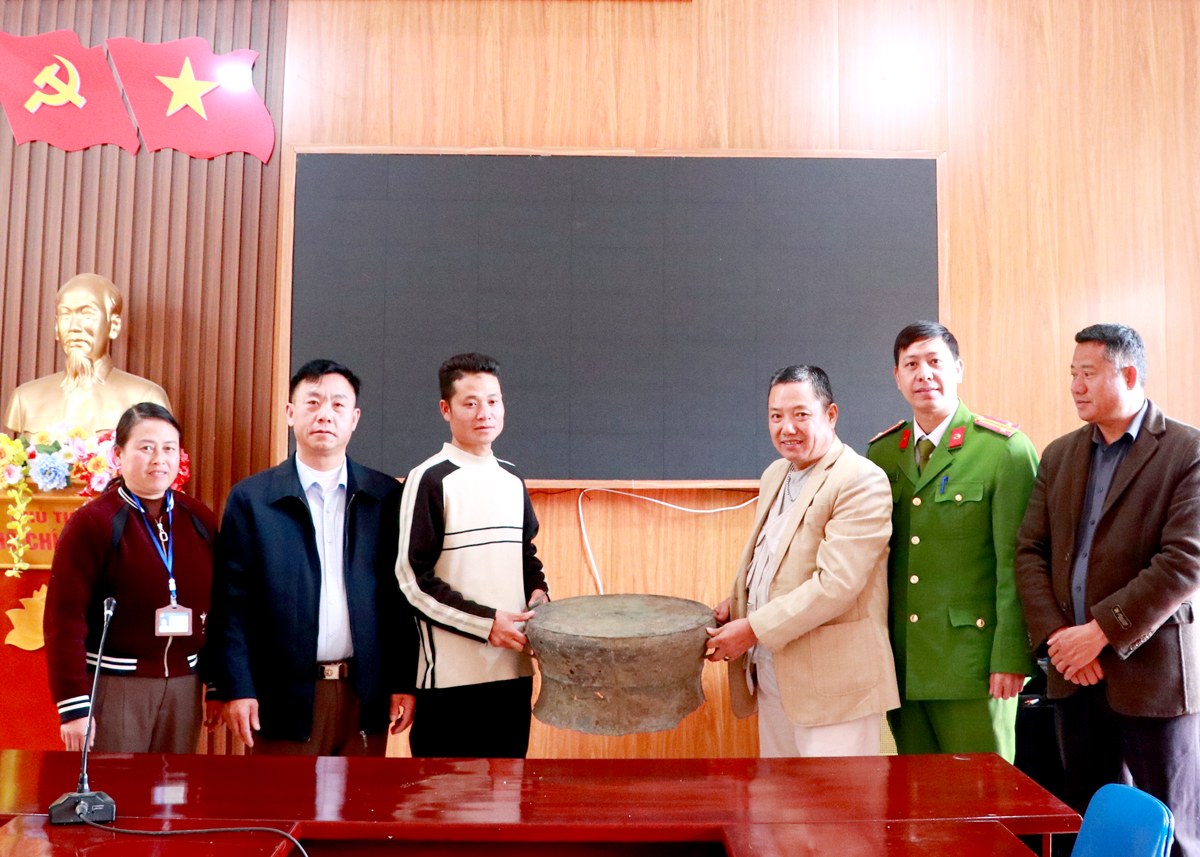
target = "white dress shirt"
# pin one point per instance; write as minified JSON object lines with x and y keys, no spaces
{"x":935,"y":436}
{"x":325,"y":492}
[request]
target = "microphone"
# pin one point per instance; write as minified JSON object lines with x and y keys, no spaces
{"x":83,"y":804}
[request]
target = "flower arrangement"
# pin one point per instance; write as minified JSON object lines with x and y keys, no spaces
{"x":57,"y":458}
{"x":13,"y":466}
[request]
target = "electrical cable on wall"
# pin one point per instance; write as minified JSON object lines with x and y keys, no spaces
{"x":587,"y":545}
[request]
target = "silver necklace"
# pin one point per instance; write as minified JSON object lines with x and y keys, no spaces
{"x":787,"y":488}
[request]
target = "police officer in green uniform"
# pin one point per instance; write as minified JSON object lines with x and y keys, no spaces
{"x":960,"y":483}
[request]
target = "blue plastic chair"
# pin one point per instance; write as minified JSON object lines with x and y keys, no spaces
{"x":1122,"y":821}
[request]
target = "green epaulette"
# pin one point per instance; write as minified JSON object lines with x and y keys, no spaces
{"x":999,"y":426}
{"x":887,"y":431}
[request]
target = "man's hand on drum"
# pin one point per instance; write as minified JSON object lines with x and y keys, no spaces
{"x":731,"y":640}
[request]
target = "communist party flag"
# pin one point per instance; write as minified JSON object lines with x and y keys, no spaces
{"x":54,"y":89}
{"x":186,"y":97}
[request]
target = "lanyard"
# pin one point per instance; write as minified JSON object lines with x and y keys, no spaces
{"x":162,"y":540}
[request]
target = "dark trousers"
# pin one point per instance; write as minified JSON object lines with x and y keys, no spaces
{"x":1159,"y":755}
{"x":484,"y":721}
{"x":335,"y":732}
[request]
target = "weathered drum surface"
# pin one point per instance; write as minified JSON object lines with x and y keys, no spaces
{"x":617,"y":664}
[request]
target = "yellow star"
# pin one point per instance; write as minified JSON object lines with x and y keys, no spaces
{"x":186,"y":90}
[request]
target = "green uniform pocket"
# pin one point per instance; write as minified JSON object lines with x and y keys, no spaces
{"x":978,"y":614}
{"x":959,"y":510}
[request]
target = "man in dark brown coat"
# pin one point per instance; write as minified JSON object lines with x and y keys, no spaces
{"x":1108,"y":567}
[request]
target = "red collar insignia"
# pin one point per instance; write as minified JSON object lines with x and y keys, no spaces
{"x":956,"y":437}
{"x":904,"y":438}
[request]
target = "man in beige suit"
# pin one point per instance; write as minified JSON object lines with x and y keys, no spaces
{"x":805,"y":630}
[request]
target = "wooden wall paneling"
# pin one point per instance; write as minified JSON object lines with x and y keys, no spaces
{"x":411,"y":104}
{"x":127,"y":193}
{"x":1174,"y":378}
{"x":148,"y":261}
{"x":282,"y":334}
{"x":49,"y":241}
{"x":892,"y":75}
{"x":100,"y":171}
{"x":567,"y":45}
{"x":991,"y":226}
{"x":168,"y":233}
{"x":1118,"y":160}
{"x":782,"y":67}
{"x":707,"y":62}
{"x":10,"y":310}
{"x":1114,"y":164}
{"x":77,"y":239}
{"x":199,"y":234}
{"x":329,"y":74}
{"x":240,"y":264}
{"x":596,"y":94}
{"x":1041,"y":216}
{"x":641,"y":32}
{"x":35,"y":315}
{"x":218,"y":320}
{"x":67,"y":217}
{"x":260,"y":303}
{"x":16,"y":183}
{"x":86,"y":172}
{"x":50,"y":247}
{"x":109,"y":227}
{"x":533,"y":95}
{"x":185,"y":315}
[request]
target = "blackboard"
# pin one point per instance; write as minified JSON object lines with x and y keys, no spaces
{"x":637,"y":305}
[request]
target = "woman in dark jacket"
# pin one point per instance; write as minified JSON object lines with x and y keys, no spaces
{"x":150,"y":548}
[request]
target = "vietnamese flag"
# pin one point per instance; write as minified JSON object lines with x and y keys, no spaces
{"x":185,"y":97}
{"x":56,"y":90}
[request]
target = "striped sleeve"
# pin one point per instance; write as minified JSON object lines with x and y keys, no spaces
{"x":422,"y":533}
{"x":73,"y":708}
{"x":74,"y":574}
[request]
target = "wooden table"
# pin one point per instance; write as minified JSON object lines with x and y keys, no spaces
{"x":895,"y":805}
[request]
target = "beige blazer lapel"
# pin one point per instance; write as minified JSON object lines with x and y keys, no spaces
{"x":767,"y":495}
{"x":768,"y":491}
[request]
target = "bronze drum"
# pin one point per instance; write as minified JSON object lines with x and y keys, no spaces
{"x":617,"y":664}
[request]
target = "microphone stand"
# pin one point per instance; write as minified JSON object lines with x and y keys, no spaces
{"x":83,"y":804}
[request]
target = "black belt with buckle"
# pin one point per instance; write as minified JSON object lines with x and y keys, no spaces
{"x":333,"y":670}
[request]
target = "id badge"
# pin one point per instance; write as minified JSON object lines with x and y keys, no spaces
{"x":173,"y":621}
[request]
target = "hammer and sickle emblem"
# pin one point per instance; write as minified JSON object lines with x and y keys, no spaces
{"x":64,"y":92}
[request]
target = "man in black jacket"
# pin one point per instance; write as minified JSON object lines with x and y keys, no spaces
{"x":313,"y":640}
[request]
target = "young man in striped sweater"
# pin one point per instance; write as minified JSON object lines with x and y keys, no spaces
{"x":468,"y":566}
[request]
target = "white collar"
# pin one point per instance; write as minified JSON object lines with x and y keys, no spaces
{"x":934,"y":436}
{"x":460,"y":456}
{"x":309,"y":476}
